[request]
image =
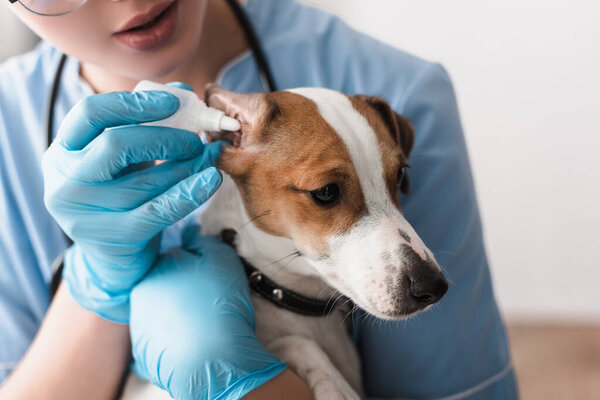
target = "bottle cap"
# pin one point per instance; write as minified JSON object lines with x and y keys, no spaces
{"x":229,"y":124}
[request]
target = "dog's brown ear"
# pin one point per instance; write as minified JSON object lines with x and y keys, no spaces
{"x":243,"y":107}
{"x":253,"y":111}
{"x":399,"y":127}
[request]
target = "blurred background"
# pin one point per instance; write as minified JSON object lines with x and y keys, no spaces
{"x":527,"y":77}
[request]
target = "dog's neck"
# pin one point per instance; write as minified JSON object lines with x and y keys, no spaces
{"x":275,"y":256}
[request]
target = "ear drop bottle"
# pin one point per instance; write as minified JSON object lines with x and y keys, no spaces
{"x":193,"y":114}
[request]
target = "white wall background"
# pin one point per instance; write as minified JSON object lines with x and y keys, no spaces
{"x":14,"y":37}
{"x":527,"y":76}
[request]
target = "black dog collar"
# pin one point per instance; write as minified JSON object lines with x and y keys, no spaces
{"x":284,"y":297}
{"x":277,"y":294}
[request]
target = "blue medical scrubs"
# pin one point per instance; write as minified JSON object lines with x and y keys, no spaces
{"x":458,"y":350}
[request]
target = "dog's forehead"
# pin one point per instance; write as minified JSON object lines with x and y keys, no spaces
{"x":359,"y":137}
{"x":348,"y":122}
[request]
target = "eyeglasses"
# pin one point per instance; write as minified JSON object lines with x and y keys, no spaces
{"x":50,"y":8}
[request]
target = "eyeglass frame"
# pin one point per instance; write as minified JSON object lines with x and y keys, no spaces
{"x":46,"y":15}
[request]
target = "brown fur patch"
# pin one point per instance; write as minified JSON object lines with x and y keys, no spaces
{"x":296,"y":151}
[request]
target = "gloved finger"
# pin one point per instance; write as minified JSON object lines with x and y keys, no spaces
{"x":181,"y":85}
{"x":91,"y":115}
{"x":136,"y":188}
{"x":158,"y":175}
{"x":159,"y":178}
{"x":177,"y":202}
{"x":117,"y":148}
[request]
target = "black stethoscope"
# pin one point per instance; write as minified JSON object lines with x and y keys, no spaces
{"x":263,"y":68}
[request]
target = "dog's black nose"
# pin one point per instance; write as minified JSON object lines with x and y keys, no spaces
{"x":427,"y":287}
{"x":423,"y":283}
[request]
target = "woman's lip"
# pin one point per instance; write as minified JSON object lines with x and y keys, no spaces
{"x":144,"y":18}
{"x":154,"y":36}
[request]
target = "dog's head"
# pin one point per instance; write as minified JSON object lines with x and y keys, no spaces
{"x":325,"y":170}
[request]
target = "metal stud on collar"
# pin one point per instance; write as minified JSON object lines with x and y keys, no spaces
{"x":256,"y":276}
{"x":278,"y":294}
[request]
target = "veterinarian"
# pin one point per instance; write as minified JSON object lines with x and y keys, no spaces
{"x":190,"y":329}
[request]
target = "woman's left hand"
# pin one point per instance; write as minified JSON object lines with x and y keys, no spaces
{"x":192,"y":324}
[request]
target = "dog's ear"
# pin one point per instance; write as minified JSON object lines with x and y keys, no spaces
{"x":400,"y":128}
{"x":254,"y":111}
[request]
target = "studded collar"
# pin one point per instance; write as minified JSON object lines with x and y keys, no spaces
{"x":280,"y":295}
{"x":284,"y":297}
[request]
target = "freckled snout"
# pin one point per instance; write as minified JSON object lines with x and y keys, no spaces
{"x":401,"y":276}
{"x":420,"y":284}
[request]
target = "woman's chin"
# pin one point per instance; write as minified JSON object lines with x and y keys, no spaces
{"x":151,"y":65}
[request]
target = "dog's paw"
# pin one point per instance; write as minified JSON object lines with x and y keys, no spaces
{"x":308,"y":360}
{"x":328,"y":389}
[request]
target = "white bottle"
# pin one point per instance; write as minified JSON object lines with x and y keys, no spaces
{"x":193,"y":114}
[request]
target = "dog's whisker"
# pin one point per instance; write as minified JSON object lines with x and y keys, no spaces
{"x":255,"y":218}
{"x":441,"y":252}
{"x":280,"y":267}
{"x":332,"y":292}
{"x":447,"y":275}
{"x":353,"y":312}
{"x":292,"y":259}
{"x":333,"y":303}
{"x":364,"y":318}
{"x":295,"y":254}
{"x":349,"y":312}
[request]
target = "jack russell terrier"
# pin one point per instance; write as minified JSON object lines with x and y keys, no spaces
{"x":318,"y":174}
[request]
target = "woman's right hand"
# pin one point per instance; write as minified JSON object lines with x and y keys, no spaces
{"x":192,"y":324}
{"x":115,"y":218}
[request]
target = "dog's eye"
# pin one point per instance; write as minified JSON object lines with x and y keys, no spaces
{"x":327,"y":195}
{"x":401,"y":174}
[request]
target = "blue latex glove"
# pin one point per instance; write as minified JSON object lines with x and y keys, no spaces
{"x":115,"y":218}
{"x":192,"y":324}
